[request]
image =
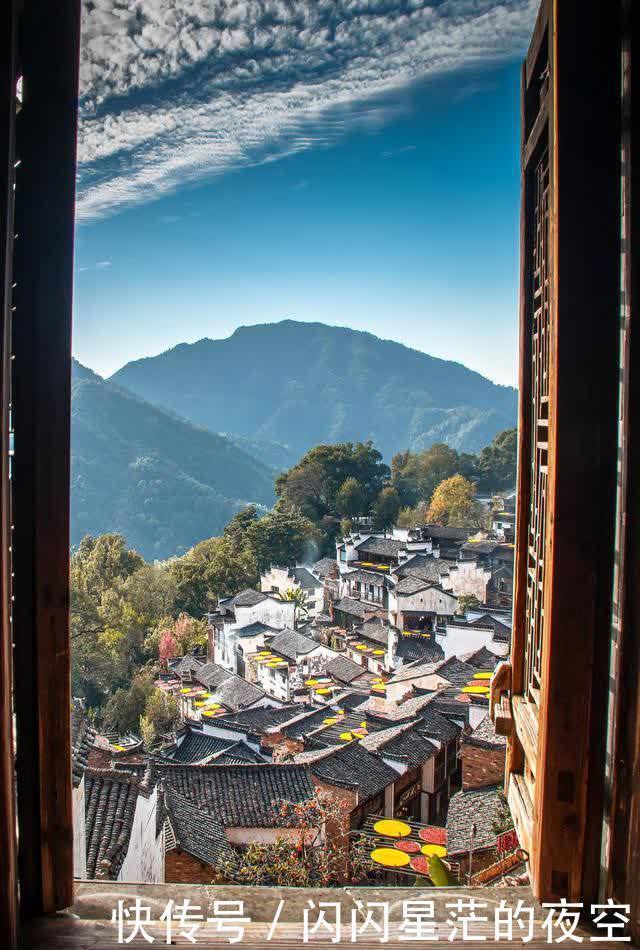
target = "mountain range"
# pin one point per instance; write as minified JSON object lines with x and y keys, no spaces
{"x":170,"y":447}
{"x":161,"y":481}
{"x":301,"y":384}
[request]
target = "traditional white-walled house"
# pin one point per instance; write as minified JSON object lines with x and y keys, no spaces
{"x":462,"y":636}
{"x":416,"y":604}
{"x":468,"y":577}
{"x":241,"y":797}
{"x":369,"y":587}
{"x":280,"y":580}
{"x":291,"y":658}
{"x":382,"y":551}
{"x":82,"y":739}
{"x":124,"y":842}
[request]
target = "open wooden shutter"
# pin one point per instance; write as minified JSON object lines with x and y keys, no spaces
{"x":570,"y":260}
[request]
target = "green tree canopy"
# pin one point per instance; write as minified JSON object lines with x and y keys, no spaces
{"x":497,"y":462}
{"x":350,"y":499}
{"x":387,"y":508}
{"x":454,"y":503}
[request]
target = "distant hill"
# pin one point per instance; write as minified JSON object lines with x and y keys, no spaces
{"x":161,"y":481}
{"x":300,"y":384}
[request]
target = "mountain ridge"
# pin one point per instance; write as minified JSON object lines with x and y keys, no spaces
{"x":144,"y":472}
{"x":300,"y":384}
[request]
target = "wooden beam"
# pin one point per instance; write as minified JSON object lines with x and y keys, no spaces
{"x":8,"y":856}
{"x":49,"y":48}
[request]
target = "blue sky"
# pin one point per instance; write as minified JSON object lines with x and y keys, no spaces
{"x":235,"y":170}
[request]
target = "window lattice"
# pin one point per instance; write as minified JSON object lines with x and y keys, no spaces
{"x":539,"y":428}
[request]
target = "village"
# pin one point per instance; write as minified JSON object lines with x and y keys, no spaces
{"x":343,"y":706}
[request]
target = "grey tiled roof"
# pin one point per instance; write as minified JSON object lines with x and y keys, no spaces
{"x":501,"y":631}
{"x":481,"y":659}
{"x":375,"y":629}
{"x":211,"y":675}
{"x":403,"y":742}
{"x":456,"y":671}
{"x":196,"y":832}
{"x":254,"y":629}
{"x":351,"y":766}
{"x":305,"y":578}
{"x":488,"y":547}
{"x":303,"y":725}
{"x":186,"y":666}
{"x":344,"y":670}
{"x":82,"y":738}
{"x":197,"y":746}
{"x":110,"y":804}
{"x":236,"y":693}
{"x":237,"y":754}
{"x":410,"y":649}
{"x":291,"y":644}
{"x":436,"y":725}
{"x":256,"y":721}
{"x":241,"y":796}
{"x":349,"y":605}
{"x":411,"y":584}
{"x":246,"y":598}
{"x":424,"y":566}
{"x":444,"y":532}
{"x":415,"y":670}
{"x":402,"y":712}
{"x":485,"y":735}
{"x":324,"y":567}
{"x":366,"y":577}
{"x":382,"y":547}
{"x":479,"y":807}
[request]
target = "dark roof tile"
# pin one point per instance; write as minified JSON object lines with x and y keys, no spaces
{"x":241,"y":796}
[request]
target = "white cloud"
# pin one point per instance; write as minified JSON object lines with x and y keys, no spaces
{"x":98,"y":265}
{"x":176,"y":90}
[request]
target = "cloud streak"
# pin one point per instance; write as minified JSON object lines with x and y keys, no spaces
{"x":174,"y":91}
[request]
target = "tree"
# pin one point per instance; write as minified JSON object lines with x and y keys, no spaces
{"x":350,"y":499}
{"x":124,"y":707}
{"x":300,"y":599}
{"x":167,"y":647}
{"x":387,"y":508}
{"x":415,"y":475}
{"x":412,"y":517}
{"x":160,"y":717}
{"x":107,"y":629}
{"x":468,"y":602}
{"x":282,"y":537}
{"x":313,"y":487}
{"x":497,"y":462}
{"x":177,"y":637}
{"x":317,"y":852}
{"x":217,"y":567}
{"x":454,"y":503}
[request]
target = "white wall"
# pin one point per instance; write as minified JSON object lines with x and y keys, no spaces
{"x":145,"y":856}
{"x":431,"y":600}
{"x":468,"y":577}
{"x":277,"y":578}
{"x":272,"y":612}
{"x":460,"y":638}
{"x":79,"y":833}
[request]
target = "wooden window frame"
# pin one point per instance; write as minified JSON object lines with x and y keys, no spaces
{"x":560,"y":734}
{"x":42,"y":42}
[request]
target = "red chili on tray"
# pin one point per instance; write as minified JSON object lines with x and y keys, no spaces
{"x":409,"y":847}
{"x":433,"y":835}
{"x":420,"y":864}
